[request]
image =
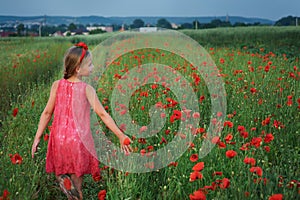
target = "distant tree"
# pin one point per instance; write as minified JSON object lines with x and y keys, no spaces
{"x":220,"y":23}
{"x":80,"y":26}
{"x":62,"y":27}
{"x":72,"y":27}
{"x":20,"y":29}
{"x":239,"y":24}
{"x":286,"y":21}
{"x":48,"y":30}
{"x":256,"y":24}
{"x":97,"y":31}
{"x":137,"y":23}
{"x":186,"y":26}
{"x":163,"y":23}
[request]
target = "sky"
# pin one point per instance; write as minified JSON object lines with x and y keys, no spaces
{"x":268,"y":9}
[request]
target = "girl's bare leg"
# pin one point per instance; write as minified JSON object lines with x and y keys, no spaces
{"x":78,"y":183}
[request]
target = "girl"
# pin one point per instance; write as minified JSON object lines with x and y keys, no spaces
{"x":70,"y":101}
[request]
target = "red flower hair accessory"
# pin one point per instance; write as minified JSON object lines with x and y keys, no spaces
{"x":84,"y":49}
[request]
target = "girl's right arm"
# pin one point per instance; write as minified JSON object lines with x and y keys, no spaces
{"x":45,"y":118}
{"x":106,"y":118}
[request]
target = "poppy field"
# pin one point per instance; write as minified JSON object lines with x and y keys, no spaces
{"x":255,"y":157}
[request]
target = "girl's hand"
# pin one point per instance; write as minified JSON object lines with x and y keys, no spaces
{"x":34,"y":147}
{"x":125,"y":145}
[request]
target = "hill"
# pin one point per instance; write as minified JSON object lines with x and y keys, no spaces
{"x":56,"y":20}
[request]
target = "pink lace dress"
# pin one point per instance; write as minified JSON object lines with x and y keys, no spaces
{"x":71,"y":146}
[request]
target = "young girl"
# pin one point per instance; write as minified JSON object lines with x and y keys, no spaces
{"x":70,"y":101}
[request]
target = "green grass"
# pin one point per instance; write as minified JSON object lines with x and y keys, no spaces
{"x":234,"y":57}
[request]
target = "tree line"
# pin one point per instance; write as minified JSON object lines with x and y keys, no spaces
{"x":47,"y":30}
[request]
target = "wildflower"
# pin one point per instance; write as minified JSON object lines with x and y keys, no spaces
{"x":102,"y":195}
{"x":228,"y":123}
{"x":67,"y":183}
{"x":199,"y":166}
{"x":217,"y":174}
{"x":16,"y":159}
{"x":194,"y":157}
{"x":15,"y":112}
{"x":251,"y":161}
{"x":5,"y":195}
{"x":126,"y":141}
{"x":197,"y":195}
{"x":268,"y":138}
{"x":256,"y":170}
{"x":231,"y":153}
{"x":195,"y":175}
{"x":256,"y":141}
{"x":46,"y":137}
{"x":225,"y":183}
{"x":276,"y":197}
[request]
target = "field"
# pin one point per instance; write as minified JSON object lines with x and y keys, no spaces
{"x":255,"y":157}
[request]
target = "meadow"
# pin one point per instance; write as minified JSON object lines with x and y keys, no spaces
{"x":256,"y":156}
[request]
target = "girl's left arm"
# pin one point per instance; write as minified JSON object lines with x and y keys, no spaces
{"x":45,"y":118}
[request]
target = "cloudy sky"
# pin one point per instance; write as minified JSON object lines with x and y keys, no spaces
{"x":269,"y":9}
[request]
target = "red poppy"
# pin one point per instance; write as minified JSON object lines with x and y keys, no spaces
{"x":46,"y":137}
{"x":173,"y":164}
{"x":278,"y":124}
{"x":256,"y":141}
{"x":16,"y":159}
{"x":268,"y":138}
{"x":228,"y":138}
{"x":276,"y":197}
{"x":217,"y":174}
{"x":196,"y":115}
{"x":225,"y":183}
{"x":222,"y":61}
{"x":245,"y":146}
{"x":199,"y":166}
{"x":244,"y":134}
{"x":150,"y":148}
{"x":256,"y":170}
{"x":253,"y":90}
{"x":201,"y":98}
{"x":228,"y":123}
{"x":163,"y":140}
{"x":126,"y":141}
{"x":96,"y":177}
{"x":102,"y":195}
{"x":267,"y":148}
{"x":5,"y":195}
{"x":251,"y":161}
{"x":195,"y":175}
{"x":143,"y":152}
{"x":231,"y":153}
{"x":221,"y":145}
{"x":175,"y":116}
{"x":15,"y":112}
{"x":194,"y":157}
{"x":215,"y":140}
{"x":67,"y":183}
{"x":197,"y":195}
{"x":266,"y":121}
{"x":267,"y":68}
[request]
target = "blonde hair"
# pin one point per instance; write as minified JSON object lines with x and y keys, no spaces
{"x":72,"y":60}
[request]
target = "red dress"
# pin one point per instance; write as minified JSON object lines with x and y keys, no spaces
{"x":71,"y":147}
